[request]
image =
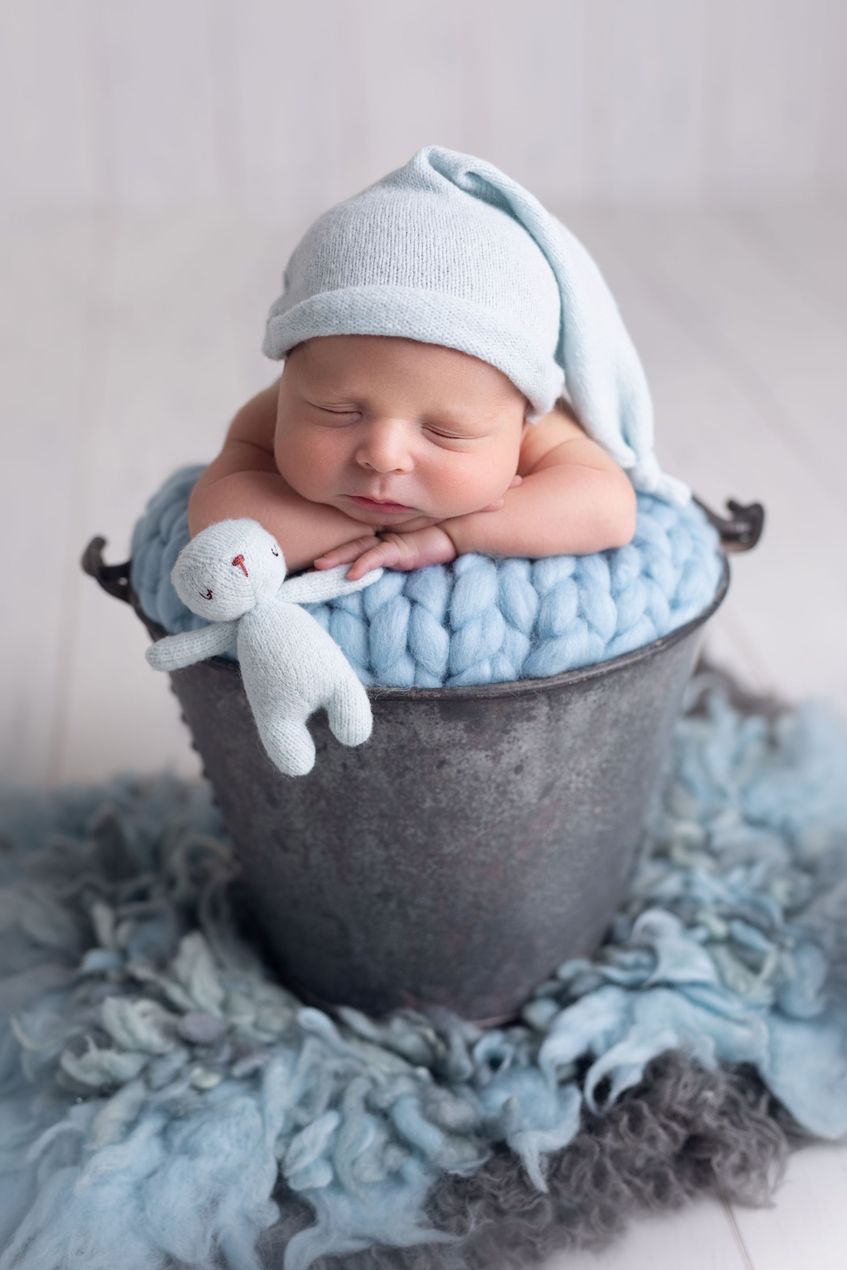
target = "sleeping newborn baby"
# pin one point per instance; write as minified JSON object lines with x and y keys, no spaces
{"x":425,"y":445}
{"x":456,"y":378}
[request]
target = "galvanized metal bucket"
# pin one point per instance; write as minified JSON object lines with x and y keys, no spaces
{"x":480,"y":837}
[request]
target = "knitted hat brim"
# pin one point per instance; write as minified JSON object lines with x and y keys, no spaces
{"x":409,"y":313}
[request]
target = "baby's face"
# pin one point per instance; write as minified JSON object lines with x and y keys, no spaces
{"x":399,"y":421}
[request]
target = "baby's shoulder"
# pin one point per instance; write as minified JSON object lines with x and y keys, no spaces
{"x":255,"y":422}
{"x":542,"y":437}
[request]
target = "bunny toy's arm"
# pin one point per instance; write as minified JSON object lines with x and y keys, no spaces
{"x":174,"y":652}
{"x":315,"y":587}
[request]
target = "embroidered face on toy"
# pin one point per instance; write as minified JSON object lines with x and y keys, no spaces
{"x":227,"y":568}
{"x":399,"y":421}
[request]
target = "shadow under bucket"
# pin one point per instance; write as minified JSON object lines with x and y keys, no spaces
{"x":480,"y":837}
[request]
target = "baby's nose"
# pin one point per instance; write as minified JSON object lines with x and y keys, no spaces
{"x":239,"y":562}
{"x":385,"y":449}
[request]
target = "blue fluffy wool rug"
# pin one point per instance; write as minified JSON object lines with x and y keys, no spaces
{"x":165,"y":1103}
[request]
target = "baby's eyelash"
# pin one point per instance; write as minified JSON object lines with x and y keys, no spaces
{"x":450,"y":436}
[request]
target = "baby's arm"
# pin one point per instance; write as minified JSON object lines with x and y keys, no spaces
{"x":243,"y":481}
{"x":564,"y":505}
{"x":576,"y":500}
{"x":570,"y":499}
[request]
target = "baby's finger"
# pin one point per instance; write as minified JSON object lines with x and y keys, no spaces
{"x":329,"y":562}
{"x":346,"y":552}
{"x":370,"y":560}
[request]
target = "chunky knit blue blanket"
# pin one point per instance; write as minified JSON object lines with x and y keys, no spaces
{"x":480,"y":619}
{"x":164,"y":1102}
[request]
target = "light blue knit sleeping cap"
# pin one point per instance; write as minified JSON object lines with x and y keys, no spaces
{"x":449,"y":250}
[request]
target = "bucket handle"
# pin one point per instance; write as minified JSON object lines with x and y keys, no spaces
{"x":740,"y":532}
{"x":113,"y":578}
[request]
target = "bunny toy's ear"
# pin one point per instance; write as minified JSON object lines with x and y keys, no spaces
{"x":325,"y":584}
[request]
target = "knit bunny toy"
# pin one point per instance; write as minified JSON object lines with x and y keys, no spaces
{"x":233,"y":573}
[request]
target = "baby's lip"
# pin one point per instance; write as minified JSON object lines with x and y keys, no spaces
{"x":381,"y":502}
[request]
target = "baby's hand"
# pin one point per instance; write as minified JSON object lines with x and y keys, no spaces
{"x":414,"y":550}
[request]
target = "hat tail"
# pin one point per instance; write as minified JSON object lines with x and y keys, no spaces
{"x":604,"y":378}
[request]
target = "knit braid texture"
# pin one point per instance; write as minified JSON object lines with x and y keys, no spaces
{"x":480,"y":619}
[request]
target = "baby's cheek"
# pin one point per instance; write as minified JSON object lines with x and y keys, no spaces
{"x":304,"y":470}
{"x":479,"y":481}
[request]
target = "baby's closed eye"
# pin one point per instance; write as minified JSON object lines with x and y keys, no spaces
{"x":434,"y":429}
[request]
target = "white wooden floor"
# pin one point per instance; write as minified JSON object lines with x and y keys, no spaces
{"x":126,"y":346}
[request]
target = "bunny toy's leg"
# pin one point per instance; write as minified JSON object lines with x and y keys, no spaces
{"x":289,"y":745}
{"x":349,"y":711}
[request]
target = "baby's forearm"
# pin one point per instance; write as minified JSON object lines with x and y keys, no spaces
{"x":561,"y":510}
{"x":303,"y":529}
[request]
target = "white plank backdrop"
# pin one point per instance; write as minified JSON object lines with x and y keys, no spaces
{"x":160,"y":162}
{"x":280,"y":108}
